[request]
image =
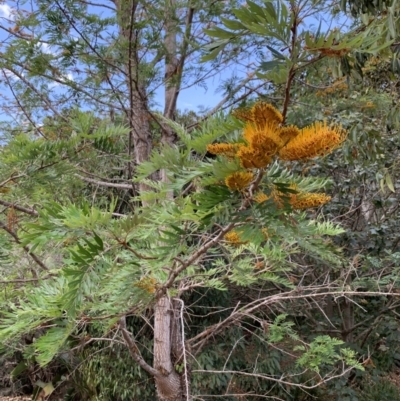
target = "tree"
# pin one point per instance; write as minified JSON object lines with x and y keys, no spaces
{"x":198,"y":224}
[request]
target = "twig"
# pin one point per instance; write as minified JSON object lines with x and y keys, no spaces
{"x":25,"y":248}
{"x":134,"y":351}
{"x":104,"y":183}
{"x":31,"y":212}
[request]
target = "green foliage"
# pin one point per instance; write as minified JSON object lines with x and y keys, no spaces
{"x":323,"y":350}
{"x":280,"y":329}
{"x":379,"y":389}
{"x":108,"y":248}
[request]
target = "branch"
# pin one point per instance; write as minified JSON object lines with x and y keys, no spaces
{"x":32,"y":212}
{"x":322,"y":381}
{"x":200,"y":338}
{"x":133,"y":349}
{"x":26,"y":249}
{"x":45,"y":99}
{"x":104,"y":183}
{"x":185,"y":264}
{"x":292,"y":71}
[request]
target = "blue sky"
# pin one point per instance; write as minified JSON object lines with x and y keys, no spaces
{"x":191,"y":98}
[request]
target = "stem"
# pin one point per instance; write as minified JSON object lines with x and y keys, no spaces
{"x":292,"y":71}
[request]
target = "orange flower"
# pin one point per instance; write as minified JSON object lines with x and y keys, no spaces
{"x":260,"y":197}
{"x":288,"y":133}
{"x":308,"y":200}
{"x":233,"y":238}
{"x":239,"y":180}
{"x":252,"y":158}
{"x":299,"y":200}
{"x":316,"y":140}
{"x":265,"y":113}
{"x":260,"y":114}
{"x":148,"y":284}
{"x":265,"y":140}
{"x":226,"y":149}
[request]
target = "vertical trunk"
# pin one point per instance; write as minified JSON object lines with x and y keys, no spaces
{"x":348,"y":320}
{"x":168,"y":341}
{"x":175,"y":56}
{"x":347,"y":312}
{"x":140,"y":137}
{"x":172,"y":73}
{"x":169,"y":383}
{"x":171,"y":76}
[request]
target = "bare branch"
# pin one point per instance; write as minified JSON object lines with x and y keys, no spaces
{"x":104,"y":183}
{"x":322,"y":381}
{"x":133,"y":349}
{"x":31,"y":212}
{"x":25,"y":248}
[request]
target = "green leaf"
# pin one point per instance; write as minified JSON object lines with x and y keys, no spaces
{"x":389,"y":182}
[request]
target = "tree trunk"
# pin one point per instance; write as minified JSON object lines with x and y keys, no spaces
{"x":166,"y":343}
{"x":140,"y":136}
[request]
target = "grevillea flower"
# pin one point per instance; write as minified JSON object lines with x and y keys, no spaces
{"x":238,"y":180}
{"x":329,"y":52}
{"x":262,"y":145}
{"x":316,"y":140}
{"x":260,"y":197}
{"x":288,"y":133}
{"x":265,"y":139}
{"x":252,"y":158}
{"x":265,"y":113}
{"x":233,"y":238}
{"x":307,"y":200}
{"x":299,"y":200}
{"x":225,"y":149}
{"x":260,"y":114}
{"x":148,"y":284}
{"x":265,"y":232}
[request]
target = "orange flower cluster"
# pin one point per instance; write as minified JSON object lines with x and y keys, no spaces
{"x":260,"y":197}
{"x":226,"y":149}
{"x":260,"y":114}
{"x":239,"y":180}
{"x":329,"y":52}
{"x":265,"y":138}
{"x":299,"y":200}
{"x":233,"y":237}
{"x":316,"y":140}
{"x":149,"y":284}
{"x":263,"y":135}
{"x":307,"y":200}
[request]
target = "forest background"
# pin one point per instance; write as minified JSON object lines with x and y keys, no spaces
{"x":244,"y":251}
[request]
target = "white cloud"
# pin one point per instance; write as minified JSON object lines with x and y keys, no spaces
{"x":8,"y":74}
{"x":68,"y":77}
{"x":46,"y":48}
{"x":6,"y":11}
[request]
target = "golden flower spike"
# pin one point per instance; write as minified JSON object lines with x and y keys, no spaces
{"x":318,"y":139}
{"x":260,"y":114}
{"x":225,"y":149}
{"x":239,"y":180}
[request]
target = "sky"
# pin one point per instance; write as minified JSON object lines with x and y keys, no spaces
{"x":192,"y":98}
{"x":189,"y":99}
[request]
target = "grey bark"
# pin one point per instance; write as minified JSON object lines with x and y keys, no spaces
{"x":140,"y":137}
{"x":169,"y":384}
